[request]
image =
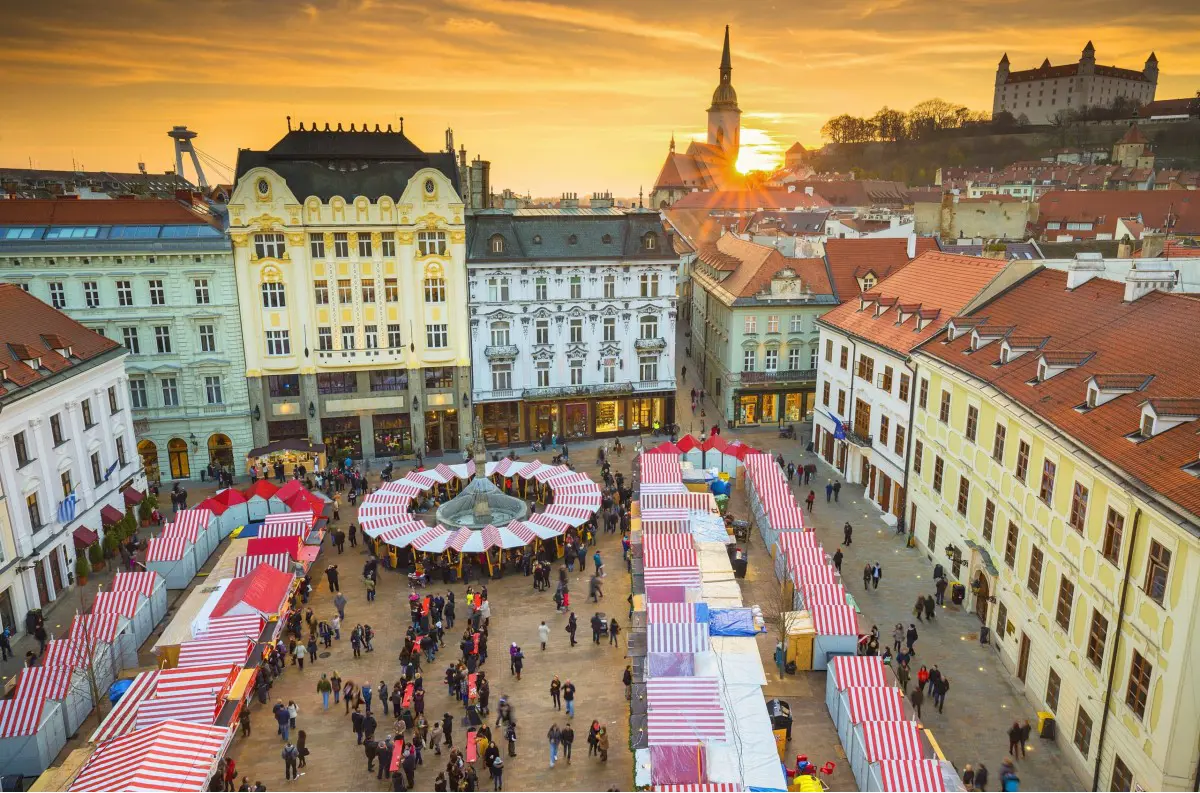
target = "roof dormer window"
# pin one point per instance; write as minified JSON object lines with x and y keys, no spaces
{"x":1147,"y":430}
{"x":496,"y":243}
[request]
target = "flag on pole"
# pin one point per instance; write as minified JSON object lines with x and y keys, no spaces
{"x":66,"y":508}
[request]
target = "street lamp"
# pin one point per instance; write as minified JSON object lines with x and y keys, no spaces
{"x":312,"y":410}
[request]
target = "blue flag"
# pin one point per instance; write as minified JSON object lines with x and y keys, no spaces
{"x":66,"y":508}
{"x":111,"y":468}
{"x":839,"y":429}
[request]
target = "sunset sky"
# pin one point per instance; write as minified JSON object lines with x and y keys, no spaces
{"x":570,"y":95}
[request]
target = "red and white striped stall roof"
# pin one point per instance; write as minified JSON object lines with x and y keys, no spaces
{"x":546,"y":472}
{"x":292,"y":528}
{"x":549,"y":521}
{"x":581,"y":488}
{"x":569,"y":514}
{"x":43,"y":683}
{"x":22,"y":714}
{"x":197,"y":679}
{"x":830,"y":594}
{"x":672,"y":576}
{"x":421,"y":479}
{"x":665,"y":513}
{"x":170,"y":756}
{"x":166,"y":549}
{"x":806,"y":556}
{"x":247,"y":625}
{"x":685,"y":728}
{"x":661,"y":469}
{"x":701,"y":787}
{"x":875,"y":703}
{"x":677,"y":637}
{"x":93,"y":628}
{"x":665,"y":527}
{"x":443,"y":472}
{"x":384,"y":509}
{"x":911,"y":776}
{"x":244,"y":565}
{"x":19,"y":717}
{"x":670,"y":612}
{"x":814,"y":574}
{"x":588,"y":501}
{"x":123,"y":717}
{"x":891,"y":740}
{"x":404,"y":533}
{"x":668,"y":550}
{"x":683,"y":693}
{"x":123,"y":603}
{"x":203,"y":652}
{"x":487,"y":537}
{"x":661,"y":488}
{"x":198,"y":708}
{"x":398,"y":487}
{"x":858,"y":670}
{"x":195,"y":518}
{"x":142,"y":582}
{"x":299,"y":516}
{"x":834,"y":620}
{"x":63,"y":653}
{"x":689,"y":500}
{"x":567,"y":479}
{"x":792,"y":541}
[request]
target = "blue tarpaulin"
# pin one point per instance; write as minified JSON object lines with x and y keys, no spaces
{"x":731,"y":622}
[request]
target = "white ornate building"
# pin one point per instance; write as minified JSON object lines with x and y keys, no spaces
{"x":572,"y":321}
{"x":349,"y":249}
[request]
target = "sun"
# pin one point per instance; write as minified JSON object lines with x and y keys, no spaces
{"x":758,"y":152}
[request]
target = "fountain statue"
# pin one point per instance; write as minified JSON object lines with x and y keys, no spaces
{"x":480,"y":501}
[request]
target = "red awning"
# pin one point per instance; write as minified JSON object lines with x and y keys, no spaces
{"x":110,"y":515}
{"x":84,"y":536}
{"x":133,"y":496}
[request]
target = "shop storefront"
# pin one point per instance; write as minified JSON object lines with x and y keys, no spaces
{"x":441,"y":431}
{"x":392,"y":433}
{"x":774,"y":407}
{"x":343,"y":437}
{"x":599,"y":417}
{"x":291,"y":452}
{"x":285,"y":430}
{"x":501,"y":423}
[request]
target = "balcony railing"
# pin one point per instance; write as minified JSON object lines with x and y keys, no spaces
{"x":649,"y":345}
{"x":500,"y":351}
{"x":859,"y":440}
{"x":654,"y":385}
{"x":496,"y":395}
{"x":782,"y":376}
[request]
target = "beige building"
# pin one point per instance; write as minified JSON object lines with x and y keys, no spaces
{"x":350,"y":256}
{"x":989,"y":217}
{"x":1054,"y":473}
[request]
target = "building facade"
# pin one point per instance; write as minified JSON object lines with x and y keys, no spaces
{"x":66,"y":448}
{"x":1054,"y":473}
{"x":754,"y":332}
{"x":349,"y":249}
{"x":1042,"y":93}
{"x":157,"y":277}
{"x":572,"y":315}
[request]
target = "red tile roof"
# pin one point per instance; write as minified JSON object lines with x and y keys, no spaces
{"x":1122,"y":381}
{"x":848,"y":259}
{"x":750,"y":200}
{"x":938,"y":281}
{"x":1104,"y":207}
{"x":751,"y":266}
{"x":30,"y":329}
{"x":1133,"y":135}
{"x":1094,"y":316}
{"x":73,"y":212}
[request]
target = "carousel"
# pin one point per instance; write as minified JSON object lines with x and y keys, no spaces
{"x":483,"y":513}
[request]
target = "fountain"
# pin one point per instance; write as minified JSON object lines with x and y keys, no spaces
{"x":480,"y":502}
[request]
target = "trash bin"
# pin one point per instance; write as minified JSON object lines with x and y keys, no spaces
{"x":985,"y":635}
{"x":740,"y":561}
{"x":958,"y":593}
{"x":1046,"y":727}
{"x":781,"y":715}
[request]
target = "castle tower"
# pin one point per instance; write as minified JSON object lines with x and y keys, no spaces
{"x":1151,"y":70}
{"x":1087,"y":62}
{"x":1002,"y":71}
{"x":724,"y":116}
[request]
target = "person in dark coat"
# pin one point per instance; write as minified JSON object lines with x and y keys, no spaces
{"x":371,"y":749}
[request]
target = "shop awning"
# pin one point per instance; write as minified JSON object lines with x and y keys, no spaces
{"x":302,"y":445}
{"x":110,"y":515}
{"x":133,"y":496}
{"x":84,"y":536}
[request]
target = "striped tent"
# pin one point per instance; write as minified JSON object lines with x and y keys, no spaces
{"x":547,"y":472}
{"x":380,"y":524}
{"x":203,"y":652}
{"x":434,"y":540}
{"x":858,"y":670}
{"x":834,"y":620}
{"x":244,"y":565}
{"x":123,"y":603}
{"x":875,"y":703}
{"x":664,"y":488}
{"x":142,"y":582}
{"x":666,"y":727}
{"x":544,"y":528}
{"x":665,"y":527}
{"x":94,"y":628}
{"x":797,"y":541}
{"x":43,"y":683}
{"x":702,"y":787}
{"x":588,"y":501}
{"x":248,"y":625}
{"x":831,"y":594}
{"x":475,"y":541}
{"x":170,"y":756}
{"x":814,"y":574}
{"x":814,"y":555}
{"x":516,"y":534}
{"x":165,"y":549}
{"x":581,"y":488}
{"x":567,"y":478}
{"x":443,"y":472}
{"x":122,"y":718}
{"x":689,"y":500}
{"x":398,"y":488}
{"x":292,"y":528}
{"x":505,"y":467}
{"x":659,"y":469}
{"x":670,"y":612}
{"x":891,"y":740}
{"x":303,"y":515}
{"x":668,"y":550}
{"x":199,"y":708}
{"x":190,"y":521}
{"x":21,"y":716}
{"x":911,"y":776}
{"x":421,"y":479}
{"x":404,"y":533}
{"x":574,"y":516}
{"x":64,"y":653}
{"x":673,"y":576}
{"x":665,"y":513}
{"x":683,"y":694}
{"x":677,"y":637}
{"x":214,"y":679}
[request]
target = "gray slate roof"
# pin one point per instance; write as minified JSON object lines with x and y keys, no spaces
{"x":1012,"y":250}
{"x":546,"y":235}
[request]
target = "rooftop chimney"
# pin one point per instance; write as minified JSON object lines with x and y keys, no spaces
{"x":602,"y":201}
{"x":1153,"y":244}
{"x":1146,"y":276}
{"x":569,"y":201}
{"x":911,"y":249}
{"x":1084,"y":268}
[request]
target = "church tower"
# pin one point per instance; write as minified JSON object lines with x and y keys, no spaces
{"x":724,"y":116}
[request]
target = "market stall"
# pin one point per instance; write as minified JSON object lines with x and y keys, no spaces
{"x":148,"y":584}
{"x":198,"y":526}
{"x":836,"y":632}
{"x":123,"y":716}
{"x":845,"y":671}
{"x":264,"y":592}
{"x":261,"y":500}
{"x":873,"y":741}
{"x":291,"y":452}
{"x":131,"y":605}
{"x":867,"y":703}
{"x":113,"y":631}
{"x":32,"y":733}
{"x":171,"y":755}
{"x":230,"y":506}
{"x":173,"y":558}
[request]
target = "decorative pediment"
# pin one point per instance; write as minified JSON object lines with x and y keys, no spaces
{"x":610,"y":348}
{"x":543,"y":313}
{"x":577,"y":350}
{"x":542,"y":352}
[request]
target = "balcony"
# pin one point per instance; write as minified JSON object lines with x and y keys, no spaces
{"x":500,"y":395}
{"x":654,"y":385}
{"x":859,"y":440}
{"x":500,"y":352}
{"x":650,"y":345}
{"x":600,"y":389}
{"x":782,"y":376}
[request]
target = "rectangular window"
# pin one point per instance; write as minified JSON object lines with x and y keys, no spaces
{"x":114,"y":405}
{"x":1097,"y":638}
{"x":938,"y":467}
{"x":841,"y":402}
{"x":886,"y":383}
{"x":437,"y":337}
{"x":1158,"y":568}
{"x":269,"y":246}
{"x":388,"y":243}
{"x":1010,"y":546}
{"x":208,"y":338}
{"x":1079,"y":501}
{"x":923,"y":395}
{"x":162,"y":339}
{"x":1066,"y":599}
{"x":21,"y":448}
{"x":137,"y":393}
{"x":347,"y":337}
{"x":610,"y":373}
{"x":121,"y":452}
{"x":576,"y":372}
{"x":89,"y":420}
{"x":501,"y":376}
{"x":972,"y":422}
{"x":944,"y":408}
{"x":825,"y":394}
{"x":932,"y":539}
{"x":316,"y":246}
{"x":56,"y":429}
{"x":431,"y":243}
{"x":845,"y":358}
{"x":989,"y":520}
{"x":212,"y":392}
{"x":1136,"y":694}
{"x":750,"y":324}
{"x":278,"y":342}
{"x":1122,"y":777}
{"x":1034,"y":581}
{"x":58,"y":294}
{"x":540,"y":288}
{"x":283,"y":385}
{"x":905,"y":385}
{"x":829,"y":350}
{"x":1114,"y":527}
{"x":650,"y":285}
{"x":1046,"y":491}
{"x":1022,"y":461}
{"x":998,"y":443}
{"x":543,"y":374}
{"x":321,"y":292}
{"x":394,"y":342}
{"x":866,"y":368}
{"x":610,"y":328}
{"x":918,"y":455}
{"x":364,"y":246}
{"x":124,"y":293}
{"x":771,"y":361}
{"x":435,"y":290}
{"x":576,"y":284}
{"x":749,"y":359}
{"x":389,"y":380}
{"x":648,"y":368}
{"x":796,"y":323}
{"x":794,"y":358}
{"x":812,"y":357}
{"x":345,"y":289}
{"x":35,"y":512}
{"x":158,"y":295}
{"x":610,"y":286}
{"x":170,"y":392}
{"x":1083,"y":732}
{"x":368,"y":290}
{"x":772,"y":323}
{"x":885,"y":425}
{"x":200,"y":285}
{"x":325,"y":338}
{"x":498,"y":290}
{"x":91,"y":294}
{"x":964,"y":495}
{"x":1053,"y":687}
{"x":391,"y":290}
{"x":341,"y":245}
{"x":1001,"y":620}
{"x":501,"y":334}
{"x":337,"y":382}
{"x":274,"y":295}
{"x":541,"y":331}
{"x":130,"y":336}
{"x":577,"y":330}
{"x":371,"y":337}
{"x":97,"y":470}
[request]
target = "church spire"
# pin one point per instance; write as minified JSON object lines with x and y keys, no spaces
{"x":726,"y":63}
{"x":672,"y":142}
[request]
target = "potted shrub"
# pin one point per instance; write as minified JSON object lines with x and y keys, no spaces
{"x":146,"y":509}
{"x":81,"y":569}
{"x":96,"y":556}
{"x":111,"y":543}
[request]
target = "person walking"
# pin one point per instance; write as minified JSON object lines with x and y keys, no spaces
{"x":572,"y":626}
{"x":876,"y":574}
{"x":812,"y":497}
{"x":331,"y":573}
{"x":369,"y":583}
{"x":367,"y":695}
{"x":902,"y":676}
{"x":281,"y":718}
{"x":244,"y":722}
{"x":910,"y":638}
{"x":897,"y":636}
{"x":917,"y":697}
{"x":868,"y":574}
{"x":627,"y":679}
{"x":597,"y":628}
{"x":554,"y":736}
{"x":301,"y":652}
{"x":922,"y":677}
{"x":1026,"y":729}
{"x":556,"y":692}
{"x":837,"y":560}
{"x":939,"y":692}
{"x":613,"y":630}
{"x":981,"y":776}
{"x":602,"y":744}
{"x":568,"y":692}
{"x":837,"y":489}
{"x":291,"y":760}
{"x":847,"y":533}
{"x":339,"y":603}
{"x":324,"y":688}
{"x":828,"y":491}
{"x":941,"y":585}
{"x":543,"y":634}
{"x":568,"y":739}
{"x":1014,"y":738}
{"x":352,"y":535}
{"x":518,"y":661}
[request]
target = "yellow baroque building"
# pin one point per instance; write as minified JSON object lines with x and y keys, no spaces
{"x":1054,"y":474}
{"x":349,"y":249}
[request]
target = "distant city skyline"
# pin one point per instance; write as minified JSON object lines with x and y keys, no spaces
{"x":558,"y":96}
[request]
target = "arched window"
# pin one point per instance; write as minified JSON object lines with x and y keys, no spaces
{"x":649,"y":241}
{"x":273,"y":295}
{"x":501,"y":336}
{"x":496,"y":243}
